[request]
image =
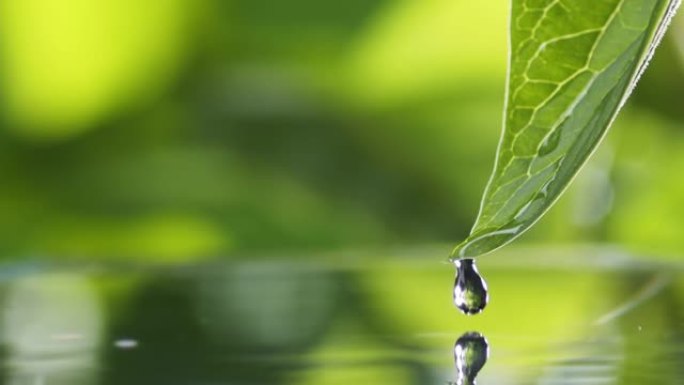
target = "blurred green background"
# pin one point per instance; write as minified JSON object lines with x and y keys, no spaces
{"x":171,"y":130}
{"x":178,"y":130}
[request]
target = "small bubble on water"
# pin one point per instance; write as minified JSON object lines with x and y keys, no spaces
{"x":126,"y":343}
{"x":470,"y":289}
{"x":470,"y":354}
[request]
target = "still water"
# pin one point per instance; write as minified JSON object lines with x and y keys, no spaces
{"x":590,"y":316}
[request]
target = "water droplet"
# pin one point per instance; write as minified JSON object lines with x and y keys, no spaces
{"x":470,"y":354}
{"x":470,"y":289}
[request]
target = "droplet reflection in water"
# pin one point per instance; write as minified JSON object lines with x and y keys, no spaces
{"x":470,"y":289}
{"x":470,"y":354}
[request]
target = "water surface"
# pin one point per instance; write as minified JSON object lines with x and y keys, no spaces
{"x":573,"y":317}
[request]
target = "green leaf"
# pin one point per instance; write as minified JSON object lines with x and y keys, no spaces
{"x":572,"y":65}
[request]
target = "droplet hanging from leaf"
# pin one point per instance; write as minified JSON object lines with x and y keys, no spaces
{"x":470,"y":289}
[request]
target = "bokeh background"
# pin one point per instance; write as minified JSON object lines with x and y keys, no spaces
{"x":273,"y":188}
{"x":172,"y":130}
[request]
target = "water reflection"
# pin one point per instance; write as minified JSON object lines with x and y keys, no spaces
{"x":296,"y":323}
{"x":51,"y":328}
{"x":470,"y":354}
{"x":597,"y":361}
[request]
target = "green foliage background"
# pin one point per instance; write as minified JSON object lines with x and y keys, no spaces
{"x":351,"y":132}
{"x":174,"y":129}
